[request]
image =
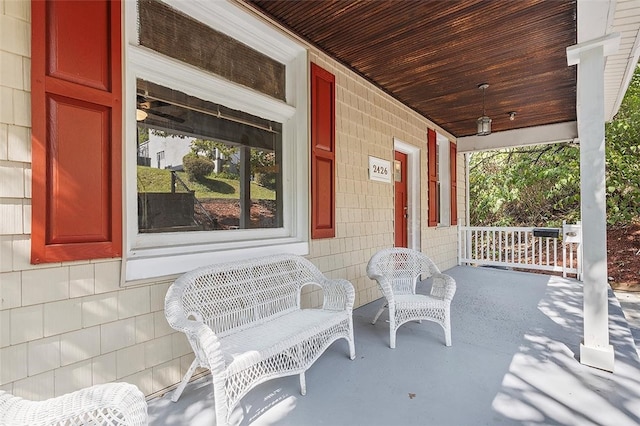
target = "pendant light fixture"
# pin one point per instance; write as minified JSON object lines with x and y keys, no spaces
{"x":484,"y":122}
{"x":140,"y":114}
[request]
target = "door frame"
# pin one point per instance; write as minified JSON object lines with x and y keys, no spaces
{"x":413,"y":191}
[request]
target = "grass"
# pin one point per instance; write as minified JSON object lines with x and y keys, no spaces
{"x":159,"y":180}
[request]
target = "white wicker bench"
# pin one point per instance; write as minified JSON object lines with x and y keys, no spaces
{"x":116,"y":404}
{"x":244,"y":322}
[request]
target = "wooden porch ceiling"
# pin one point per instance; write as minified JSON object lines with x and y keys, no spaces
{"x":432,"y":54}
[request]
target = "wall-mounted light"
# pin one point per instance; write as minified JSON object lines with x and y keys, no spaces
{"x":484,"y":122}
{"x":512,"y":115}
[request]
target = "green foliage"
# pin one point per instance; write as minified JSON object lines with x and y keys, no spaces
{"x":263,"y":164}
{"x":623,"y":159}
{"x":208,"y":148}
{"x":531,"y":186}
{"x":143,"y":135}
{"x":153,"y":180}
{"x":197,"y":167}
{"x":159,"y":180}
{"x":540,"y":185}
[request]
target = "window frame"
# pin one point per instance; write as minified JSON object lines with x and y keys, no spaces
{"x":156,"y":255}
{"x":444,"y":180}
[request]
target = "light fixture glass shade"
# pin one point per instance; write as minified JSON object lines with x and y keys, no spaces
{"x":140,"y":114}
{"x":484,"y":126}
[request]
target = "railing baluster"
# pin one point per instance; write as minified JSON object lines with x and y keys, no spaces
{"x":540,"y":251}
{"x":571,"y":245}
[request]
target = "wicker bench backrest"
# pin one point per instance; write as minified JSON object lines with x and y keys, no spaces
{"x":233,"y":295}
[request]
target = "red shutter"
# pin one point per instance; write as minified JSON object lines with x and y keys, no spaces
{"x":432,"y":193}
{"x":323,"y":130}
{"x":453,"y":172}
{"x":76,"y":130}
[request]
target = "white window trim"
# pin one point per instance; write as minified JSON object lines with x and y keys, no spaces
{"x":156,"y":255}
{"x":413,"y":195}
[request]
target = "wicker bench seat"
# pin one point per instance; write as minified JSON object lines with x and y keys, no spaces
{"x":245,"y":324}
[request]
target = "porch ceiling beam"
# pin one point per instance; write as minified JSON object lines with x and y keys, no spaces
{"x":552,"y":133}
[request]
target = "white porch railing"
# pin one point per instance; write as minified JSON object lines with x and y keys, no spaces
{"x":547,"y":249}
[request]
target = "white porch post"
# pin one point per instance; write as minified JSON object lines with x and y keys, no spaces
{"x":595,"y":349}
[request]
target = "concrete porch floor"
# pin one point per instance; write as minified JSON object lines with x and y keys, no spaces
{"x":516,"y":340}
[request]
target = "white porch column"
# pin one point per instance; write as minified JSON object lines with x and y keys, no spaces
{"x":595,"y":349}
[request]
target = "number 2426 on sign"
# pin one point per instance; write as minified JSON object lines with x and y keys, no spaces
{"x":379,"y":169}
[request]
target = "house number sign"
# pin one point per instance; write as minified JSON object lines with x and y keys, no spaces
{"x":379,"y":169}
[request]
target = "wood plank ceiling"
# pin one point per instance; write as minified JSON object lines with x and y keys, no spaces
{"x":432,"y":54}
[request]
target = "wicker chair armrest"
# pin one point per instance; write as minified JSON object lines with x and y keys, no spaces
{"x":443,"y":287}
{"x":339,"y":294}
{"x":105,"y":404}
{"x":384,"y":283}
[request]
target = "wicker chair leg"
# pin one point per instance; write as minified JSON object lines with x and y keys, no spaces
{"x":185,"y":380}
{"x":303,"y":384}
{"x":447,"y":330}
{"x":379,"y":313}
{"x":352,"y":346}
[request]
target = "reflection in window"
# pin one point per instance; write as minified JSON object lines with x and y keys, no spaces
{"x":215,"y":169}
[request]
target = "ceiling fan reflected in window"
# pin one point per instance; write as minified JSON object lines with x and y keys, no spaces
{"x":154,"y":107}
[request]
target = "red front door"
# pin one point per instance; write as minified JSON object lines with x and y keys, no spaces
{"x":401,"y":208}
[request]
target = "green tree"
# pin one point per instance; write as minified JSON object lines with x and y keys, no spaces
{"x":263,"y":166}
{"x":530,"y":186}
{"x":540,"y":185}
{"x":623,"y":158}
{"x":207,"y":148}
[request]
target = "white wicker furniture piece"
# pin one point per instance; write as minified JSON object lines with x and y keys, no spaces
{"x":244,"y":322}
{"x":397,"y":271}
{"x":106,"y":404}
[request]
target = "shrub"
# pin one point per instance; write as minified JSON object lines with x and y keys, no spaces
{"x":197,"y":167}
{"x":267,"y":180}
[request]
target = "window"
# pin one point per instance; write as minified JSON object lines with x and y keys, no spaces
{"x":160,"y":157}
{"x":438,"y":183}
{"x":441,"y":204}
{"x":444,"y":182}
{"x":218,"y":167}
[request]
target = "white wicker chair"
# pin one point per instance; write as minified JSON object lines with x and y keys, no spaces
{"x":116,"y":404}
{"x":397,"y":271}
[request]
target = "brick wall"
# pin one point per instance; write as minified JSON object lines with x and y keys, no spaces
{"x":70,"y":325}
